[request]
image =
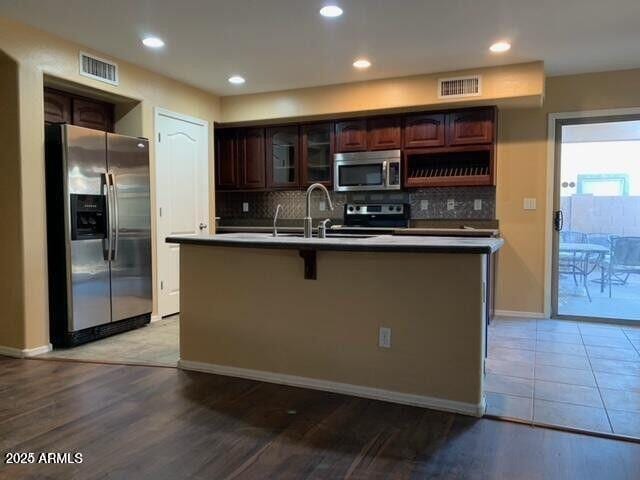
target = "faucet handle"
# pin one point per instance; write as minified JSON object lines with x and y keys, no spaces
{"x":322,"y":228}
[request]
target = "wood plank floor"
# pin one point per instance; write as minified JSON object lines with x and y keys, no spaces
{"x":161,"y":423}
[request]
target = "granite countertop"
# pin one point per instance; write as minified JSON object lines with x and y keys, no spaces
{"x":374,"y":243}
{"x":447,"y":232}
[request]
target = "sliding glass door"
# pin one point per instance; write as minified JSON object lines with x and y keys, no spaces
{"x":596,"y":253}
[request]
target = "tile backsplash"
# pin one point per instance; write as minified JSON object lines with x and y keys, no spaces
{"x":428,"y":203}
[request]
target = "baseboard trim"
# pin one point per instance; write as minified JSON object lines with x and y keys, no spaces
{"x":25,"y":352}
{"x":476,"y":410}
{"x":516,"y":313}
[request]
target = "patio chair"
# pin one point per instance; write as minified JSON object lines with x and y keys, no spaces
{"x":602,"y":239}
{"x":624,"y":258}
{"x":568,"y":262}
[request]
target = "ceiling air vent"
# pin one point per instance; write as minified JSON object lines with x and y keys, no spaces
{"x":459,"y":87}
{"x":98,"y":69}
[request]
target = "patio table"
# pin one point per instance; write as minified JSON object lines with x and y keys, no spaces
{"x":591,"y":254}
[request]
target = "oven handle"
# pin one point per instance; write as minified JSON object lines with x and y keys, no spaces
{"x":385,"y":173}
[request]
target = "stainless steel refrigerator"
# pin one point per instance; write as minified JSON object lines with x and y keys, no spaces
{"x":99,"y":233}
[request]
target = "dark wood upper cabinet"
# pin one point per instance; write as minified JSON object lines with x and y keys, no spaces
{"x":385,"y":133}
{"x":251,"y":157}
{"x":471,"y":127}
{"x":92,"y":114}
{"x":57,"y":107}
{"x":440,"y":148}
{"x":421,"y":131}
{"x":351,"y":135}
{"x":316,"y":154}
{"x":282,"y":156}
{"x":64,"y":107}
{"x":226,"y":159}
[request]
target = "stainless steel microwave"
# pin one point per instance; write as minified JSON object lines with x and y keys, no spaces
{"x":362,"y":171}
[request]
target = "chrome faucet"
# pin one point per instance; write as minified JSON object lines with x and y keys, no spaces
{"x":308,"y":221}
{"x":275,"y":221}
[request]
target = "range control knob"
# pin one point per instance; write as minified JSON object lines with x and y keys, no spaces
{"x":350,"y":208}
{"x":399,"y":208}
{"x":391,"y":207}
{"x":358,"y":208}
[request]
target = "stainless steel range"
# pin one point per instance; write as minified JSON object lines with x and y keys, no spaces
{"x":99,"y":233}
{"x":377,"y":215}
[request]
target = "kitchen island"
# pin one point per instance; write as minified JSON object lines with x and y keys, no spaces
{"x":314,"y":312}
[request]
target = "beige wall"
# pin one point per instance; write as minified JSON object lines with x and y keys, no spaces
{"x":11,"y":326}
{"x":253,"y":309}
{"x":523,"y":171}
{"x":38,"y":54}
{"x":512,"y":85}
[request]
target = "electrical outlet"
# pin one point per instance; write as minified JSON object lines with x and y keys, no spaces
{"x":384,"y":337}
{"x":322,"y":205}
{"x":529,"y":204}
{"x":477,"y":204}
{"x":451,"y":204}
{"x":245,"y":206}
{"x":424,"y":204}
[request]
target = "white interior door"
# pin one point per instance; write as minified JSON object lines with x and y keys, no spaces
{"x":182,"y":195}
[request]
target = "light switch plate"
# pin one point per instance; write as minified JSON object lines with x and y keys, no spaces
{"x":245,"y":206}
{"x":451,"y":204}
{"x":424,"y":204}
{"x":477,"y":204}
{"x":529,"y":204}
{"x":384,"y":337}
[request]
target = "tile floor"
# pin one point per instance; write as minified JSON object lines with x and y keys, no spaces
{"x":154,"y":344}
{"x":578,"y":375}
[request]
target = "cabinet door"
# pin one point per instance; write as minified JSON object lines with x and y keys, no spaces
{"x":470,"y":127}
{"x":384,"y":133}
{"x":282,"y":156}
{"x":57,"y":107}
{"x":351,"y":135}
{"x":251,"y":158}
{"x":422,"y":131}
{"x":226,"y":159}
{"x":96,"y":115}
{"x":317,"y":153}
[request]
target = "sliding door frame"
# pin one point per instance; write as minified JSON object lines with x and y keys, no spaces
{"x":552,"y":237}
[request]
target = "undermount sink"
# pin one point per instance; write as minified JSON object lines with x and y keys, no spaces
{"x":255,"y":235}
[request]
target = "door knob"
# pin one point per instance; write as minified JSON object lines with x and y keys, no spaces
{"x":202,"y":226}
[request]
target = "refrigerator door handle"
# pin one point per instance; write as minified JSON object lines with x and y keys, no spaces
{"x":116,"y":222}
{"x":106,"y":191}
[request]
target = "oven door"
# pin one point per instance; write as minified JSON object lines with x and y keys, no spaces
{"x":360,"y":175}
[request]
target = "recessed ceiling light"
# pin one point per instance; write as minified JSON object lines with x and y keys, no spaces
{"x":362,"y":63}
{"x":500,"y":47}
{"x":331,"y":11}
{"x":236,"y":79}
{"x":152,"y":42}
